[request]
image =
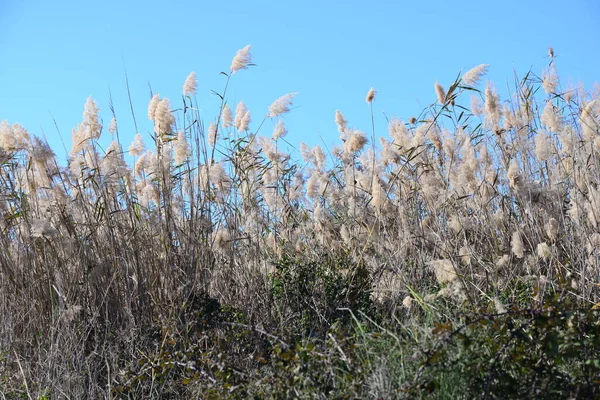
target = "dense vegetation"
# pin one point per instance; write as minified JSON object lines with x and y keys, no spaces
{"x":458,"y":257}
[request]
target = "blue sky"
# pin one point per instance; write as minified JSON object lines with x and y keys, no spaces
{"x":56,"y":54}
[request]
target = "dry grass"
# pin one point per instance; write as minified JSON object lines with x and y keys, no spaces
{"x":459,"y":203}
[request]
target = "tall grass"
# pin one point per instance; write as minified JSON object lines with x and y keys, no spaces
{"x":107,"y":264}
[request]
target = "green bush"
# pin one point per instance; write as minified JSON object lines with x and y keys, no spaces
{"x":548,"y":352}
{"x":310,"y":297}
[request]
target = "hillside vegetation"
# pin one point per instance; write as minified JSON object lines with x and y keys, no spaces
{"x":456,"y":256}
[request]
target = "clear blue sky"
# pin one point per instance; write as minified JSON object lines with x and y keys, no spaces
{"x":54,"y":54}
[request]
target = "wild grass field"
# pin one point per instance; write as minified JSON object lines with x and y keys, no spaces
{"x":454,"y":256}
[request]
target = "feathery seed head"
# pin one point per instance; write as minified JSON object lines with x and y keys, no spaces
{"x":492,"y":108}
{"x":113,"y":165}
{"x":549,"y":79}
{"x":242,"y":60}
{"x":227,"y":117}
{"x":319,"y":157}
{"x":588,"y":110}
{"x":163,"y":118}
{"x":465,"y":255}
{"x":476,"y":106}
{"x":474,"y":75}
{"x":550,"y":118}
{"x":212,"y":134}
{"x":543,"y":146}
{"x":182,"y":150}
{"x":191,"y":85}
{"x":444,"y":271}
{"x":137,"y":147}
{"x":41,"y":151}
{"x":370,"y":95}
{"x":112,"y":127}
{"x":152,"y":106}
{"x":279,"y":130}
{"x":440,"y":92}
{"x":355,"y":142}
{"x":42,"y":228}
{"x":242,"y":117}
{"x":544,"y":251}
{"x":514,"y":174}
{"x":91,"y":119}
{"x":503,"y":261}
{"x":13,"y":138}
{"x":221,"y":238}
{"x":281,"y":105}
{"x":516,"y":244}
{"x":340,"y":121}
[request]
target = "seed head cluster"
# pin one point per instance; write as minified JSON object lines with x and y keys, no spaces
{"x":460,"y":201}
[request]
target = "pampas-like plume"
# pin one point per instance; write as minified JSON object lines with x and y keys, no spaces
{"x":550,"y":80}
{"x":281,"y":105}
{"x":163,"y":118}
{"x":41,"y":151}
{"x":113,"y":165}
{"x":340,"y":121}
{"x":212,"y":134}
{"x":13,"y":138}
{"x":516,"y":245}
{"x":152,"y":106}
{"x":550,"y":118}
{"x":190,"y":85}
{"x":221,"y":238}
{"x":503,"y":261}
{"x":112,"y":127}
{"x":312,"y":186}
{"x":137,"y":146}
{"x":242,"y":117}
{"x":143,"y":164}
{"x":543,"y":146}
{"x":91,"y":119}
{"x":319,"y":156}
{"x":588,"y":121}
{"x":355,"y":142}
{"x":242,"y":60}
{"x":514,"y":174}
{"x":378,"y":194}
{"x":444,"y":271}
{"x":182,"y":149}
{"x":217,"y":175}
{"x":492,"y":108}
{"x":306,"y":153}
{"x":476,"y":106}
{"x":543,"y":251}
{"x":398,"y":132}
{"x":279,"y":130}
{"x":89,"y":129}
{"x":42,"y":228}
{"x":227,"y":117}
{"x":440,"y":92}
{"x":474,"y":75}
{"x":370,"y":95}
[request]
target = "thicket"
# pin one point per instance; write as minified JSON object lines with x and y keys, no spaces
{"x":457,"y":257}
